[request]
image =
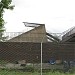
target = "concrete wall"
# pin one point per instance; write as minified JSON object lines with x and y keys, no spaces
{"x":31,"y":52}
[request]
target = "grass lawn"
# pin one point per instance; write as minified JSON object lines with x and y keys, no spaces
{"x":57,"y":73}
{"x":12,"y":72}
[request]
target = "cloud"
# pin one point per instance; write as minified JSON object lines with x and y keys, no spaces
{"x":56,"y":14}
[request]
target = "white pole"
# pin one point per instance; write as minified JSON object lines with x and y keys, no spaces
{"x":41,"y":58}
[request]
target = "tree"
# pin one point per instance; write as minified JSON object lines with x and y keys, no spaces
{"x":4,"y":4}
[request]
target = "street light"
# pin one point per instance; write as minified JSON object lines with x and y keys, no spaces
{"x":41,"y":58}
{"x":27,"y":24}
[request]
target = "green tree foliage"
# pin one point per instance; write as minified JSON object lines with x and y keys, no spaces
{"x":4,"y":4}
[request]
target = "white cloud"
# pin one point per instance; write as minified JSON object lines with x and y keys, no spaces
{"x":58,"y":15}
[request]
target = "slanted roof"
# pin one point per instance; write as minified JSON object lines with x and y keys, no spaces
{"x":69,"y":36}
{"x":38,"y":34}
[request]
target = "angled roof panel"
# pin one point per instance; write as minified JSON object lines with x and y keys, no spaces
{"x":38,"y":34}
{"x":69,"y":36}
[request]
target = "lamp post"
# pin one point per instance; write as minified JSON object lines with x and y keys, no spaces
{"x":41,"y":58}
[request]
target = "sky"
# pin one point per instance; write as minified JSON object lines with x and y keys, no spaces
{"x":57,"y":15}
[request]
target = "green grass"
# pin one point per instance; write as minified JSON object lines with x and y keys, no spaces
{"x":14,"y":72}
{"x":57,"y":73}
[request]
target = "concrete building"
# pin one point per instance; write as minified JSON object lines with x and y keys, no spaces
{"x":27,"y":46}
{"x":69,"y":35}
{"x":37,"y":34}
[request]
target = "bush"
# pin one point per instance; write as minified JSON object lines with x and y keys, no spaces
{"x":72,"y":70}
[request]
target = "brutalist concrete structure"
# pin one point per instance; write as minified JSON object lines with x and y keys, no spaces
{"x":27,"y":46}
{"x":38,"y":34}
{"x":69,"y":36}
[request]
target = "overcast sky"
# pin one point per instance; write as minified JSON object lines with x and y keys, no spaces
{"x":57,"y":15}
